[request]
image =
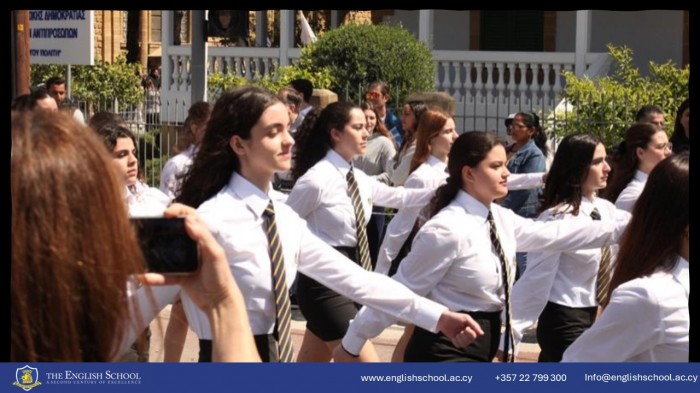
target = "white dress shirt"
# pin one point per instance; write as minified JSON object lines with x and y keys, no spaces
{"x":565,"y":278}
{"x":647,"y":320}
{"x":430,"y":175}
{"x":525,"y":181}
{"x":176,"y":166}
{"x":234,"y":216}
{"x":145,"y":201}
{"x":452,"y":259}
{"x":400,"y":166}
{"x":628,"y":197}
{"x":321,"y":197}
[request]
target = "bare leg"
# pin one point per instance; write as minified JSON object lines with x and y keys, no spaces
{"x":400,"y":349}
{"x":175,"y":334}
{"x":367,"y":355}
{"x":313,"y":349}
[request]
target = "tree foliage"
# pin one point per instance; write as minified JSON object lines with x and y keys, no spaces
{"x":100,"y":82}
{"x":357,"y":55}
{"x":279,"y":78}
{"x":607,"y":106}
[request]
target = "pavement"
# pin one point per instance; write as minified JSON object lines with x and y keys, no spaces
{"x":384,"y":343}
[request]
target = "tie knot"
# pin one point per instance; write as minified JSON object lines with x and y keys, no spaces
{"x":350,"y":176}
{"x":595,"y":214}
{"x":269,"y":210}
{"x":489,"y":217}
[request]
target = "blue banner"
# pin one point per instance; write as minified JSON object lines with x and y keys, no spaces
{"x":355,"y":378}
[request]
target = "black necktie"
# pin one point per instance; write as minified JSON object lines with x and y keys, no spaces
{"x":505,"y":275}
{"x":283,"y":322}
{"x":602,"y":281}
{"x":360,"y":227}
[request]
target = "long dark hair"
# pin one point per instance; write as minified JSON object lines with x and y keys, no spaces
{"x":469,"y":150}
{"x":313,"y":139}
{"x":569,"y":170}
{"x":235,"y":113}
{"x":539,"y":137}
{"x":198,"y":113}
{"x":680,"y":141}
{"x":659,"y":219}
{"x":418,"y":108}
{"x":626,"y":160}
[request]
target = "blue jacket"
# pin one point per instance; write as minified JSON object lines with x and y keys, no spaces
{"x":528,"y":159}
{"x":393,"y":124}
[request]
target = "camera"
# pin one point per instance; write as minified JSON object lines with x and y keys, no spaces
{"x":166,"y":246}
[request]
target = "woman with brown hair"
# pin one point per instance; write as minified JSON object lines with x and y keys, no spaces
{"x":645,"y":145}
{"x":647,"y":318}
{"x":74,"y":254}
{"x":434,"y":138}
{"x":193,"y":131}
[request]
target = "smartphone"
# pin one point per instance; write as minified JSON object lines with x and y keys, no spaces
{"x":166,"y":246}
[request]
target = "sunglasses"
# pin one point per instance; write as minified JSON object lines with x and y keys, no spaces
{"x":372,"y":95}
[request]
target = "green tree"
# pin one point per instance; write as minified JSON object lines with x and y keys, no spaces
{"x":280,"y":77}
{"x":607,"y":106}
{"x":357,"y":55}
{"x":101,"y":82}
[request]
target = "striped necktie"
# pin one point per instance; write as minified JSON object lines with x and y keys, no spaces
{"x":602,"y":280}
{"x":505,"y":276}
{"x":362,"y":243}
{"x":279,"y":287}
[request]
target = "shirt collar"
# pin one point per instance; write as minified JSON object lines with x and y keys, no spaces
{"x":339,"y":162}
{"x":252,"y":196}
{"x":682,"y":273}
{"x":587,"y":206}
{"x":472,"y":205}
{"x":435,"y":162}
{"x":640,"y":176}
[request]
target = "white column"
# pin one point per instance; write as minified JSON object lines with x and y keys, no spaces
{"x":198,"y":69}
{"x":286,"y":35}
{"x":425,"y":27}
{"x":166,"y":37}
{"x":334,"y":19}
{"x":261,"y":29}
{"x":583,"y":41}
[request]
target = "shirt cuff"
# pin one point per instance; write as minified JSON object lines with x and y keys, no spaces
{"x":352,"y":342}
{"x":428,"y":314}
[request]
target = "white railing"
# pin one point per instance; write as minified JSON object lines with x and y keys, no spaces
{"x":489,"y":85}
{"x":486,"y":85}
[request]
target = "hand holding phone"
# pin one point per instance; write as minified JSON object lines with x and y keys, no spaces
{"x":166,"y":246}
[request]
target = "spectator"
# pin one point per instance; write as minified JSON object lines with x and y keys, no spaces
{"x":56,"y":86}
{"x":38,"y":98}
{"x":681,"y":128}
{"x":525,"y":155}
{"x":305,"y":89}
{"x":378,"y":94}
{"x":651,"y":114}
{"x":151,"y":104}
{"x":77,"y":305}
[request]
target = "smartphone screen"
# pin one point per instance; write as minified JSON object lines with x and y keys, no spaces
{"x":166,"y":246}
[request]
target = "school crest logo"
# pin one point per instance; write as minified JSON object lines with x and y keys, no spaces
{"x":27,"y":378}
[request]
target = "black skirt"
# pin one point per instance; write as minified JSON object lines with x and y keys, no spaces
{"x":327,"y":313}
{"x":425,"y":346}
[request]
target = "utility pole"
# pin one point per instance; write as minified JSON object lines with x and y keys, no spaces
{"x":20,"y":52}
